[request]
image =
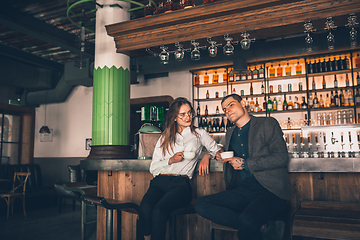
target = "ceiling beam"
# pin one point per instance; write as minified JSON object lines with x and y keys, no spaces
{"x":226,"y":17}
{"x":25,"y":23}
{"x":29,"y":58}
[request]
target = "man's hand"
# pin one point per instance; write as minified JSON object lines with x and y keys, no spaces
{"x":178,"y":157}
{"x":204,"y":165}
{"x":219,"y":158}
{"x":237,"y":163}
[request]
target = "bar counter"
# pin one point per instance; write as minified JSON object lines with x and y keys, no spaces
{"x":323,"y":179}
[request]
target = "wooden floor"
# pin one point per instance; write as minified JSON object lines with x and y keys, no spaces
{"x":46,"y":223}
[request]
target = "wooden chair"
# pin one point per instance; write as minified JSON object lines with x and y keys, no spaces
{"x":18,"y":191}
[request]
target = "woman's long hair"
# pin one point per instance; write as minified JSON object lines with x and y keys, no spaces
{"x":171,"y":127}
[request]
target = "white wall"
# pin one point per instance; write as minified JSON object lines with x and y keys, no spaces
{"x":71,"y":120}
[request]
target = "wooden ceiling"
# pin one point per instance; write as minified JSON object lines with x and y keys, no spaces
{"x":263,"y":19}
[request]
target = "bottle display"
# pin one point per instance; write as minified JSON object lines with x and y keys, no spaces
{"x":207,"y":94}
{"x":298,"y":68}
{"x":148,"y":10}
{"x":225,"y":77}
{"x":169,"y":6}
{"x":261,"y":72}
{"x":288,"y":70}
{"x":279,"y":71}
{"x":206,"y":78}
{"x":255,"y":73}
{"x":215,"y":78}
{"x":251,"y":89}
{"x":272,"y":71}
{"x":196,"y":79}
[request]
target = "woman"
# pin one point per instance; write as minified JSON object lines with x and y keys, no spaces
{"x":170,"y":189}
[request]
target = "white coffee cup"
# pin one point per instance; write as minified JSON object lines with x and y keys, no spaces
{"x":227,"y":154}
{"x":189,"y":155}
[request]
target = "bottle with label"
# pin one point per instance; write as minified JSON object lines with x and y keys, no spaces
{"x":231,"y":76}
{"x":279,"y":71}
{"x":275,"y":104}
{"x":264,"y":104}
{"x":206,"y":110}
{"x":233,"y":91}
{"x":285,"y":104}
{"x":279,"y":105}
{"x":358,"y":79}
{"x":340,"y":64}
{"x":160,"y":9}
{"x":225,"y":77}
{"x":316,"y":101}
{"x":336,"y":99}
{"x":204,"y":124}
{"x":346,"y":98}
{"x":255,"y":73}
{"x":327,"y":101}
{"x":326,"y":69}
{"x":313,"y":84}
{"x":181,"y":5}
{"x":298,"y":69}
{"x":237,"y":77}
{"x":300,"y":85}
{"x":169,"y":6}
{"x":321,"y":102}
{"x":271,"y":87}
{"x":188,"y":3}
{"x":347,"y":81}
{"x":324,"y":83}
{"x":322,"y":66}
{"x":196,"y":80}
{"x":357,"y":61}
{"x":215,"y":78}
{"x":296,"y":103}
{"x":241,"y":92}
{"x":243,"y":76}
{"x":217,"y":111}
{"x":289,"y":87}
{"x":290,"y":104}
{"x":207,"y":94}
{"x":206,"y":78}
{"x":251,"y":89}
{"x":262,"y":88}
{"x":272,"y":71}
{"x":357,"y":97}
{"x":342,"y":98}
{"x":335,"y":82}
{"x":279,"y":88}
{"x":310,"y":101}
{"x":249,"y":75}
{"x":310,"y":67}
{"x":329,"y":64}
{"x":303,"y":104}
{"x":252,"y":105}
{"x":288,"y":70}
{"x":257,"y":106}
{"x":247,"y":104}
{"x":270,"y":105}
{"x":198,"y":110}
{"x":210,"y":127}
{"x":148,"y":10}
{"x":346,"y":63}
{"x":216,"y":94}
{"x":222,"y":125}
{"x":261,"y":72}
{"x":332,"y":100}
{"x":145,"y":114}
{"x":335,"y":65}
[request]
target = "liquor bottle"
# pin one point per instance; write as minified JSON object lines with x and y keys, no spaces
{"x":181,"y":5}
{"x":279,"y":105}
{"x":332,"y":100}
{"x":206,"y":110}
{"x":270,"y":106}
{"x":234,"y":91}
{"x":261,"y":72}
{"x":298,"y":69}
{"x":243,"y":76}
{"x":351,"y":98}
{"x":205,"y":126}
{"x":272,"y":71}
{"x":313,"y":84}
{"x":252,"y":105}
{"x":206,"y":78}
{"x":346,"y":98}
{"x":188,"y":3}
{"x":289,"y":87}
{"x":148,"y":10}
{"x":296,"y":103}
{"x":271,"y":87}
{"x":198,"y":110}
{"x":316,"y":101}
{"x":288,"y":70}
{"x":196,"y":80}
{"x":249,"y":75}
{"x":310,"y":101}
{"x":322,"y":66}
{"x":290,"y":104}
{"x":216,"y":94}
{"x":228,"y":124}
{"x":330,"y":66}
{"x":321,"y":102}
{"x":247,"y":104}
{"x":300,"y":85}
{"x":262,"y":88}
{"x":257,"y":106}
{"x":336,"y":99}
{"x":335,"y":82}
{"x":169,"y":6}
{"x":324,"y":83}
{"x":279,"y":71}
{"x":214,"y":126}
{"x":251,"y":89}
{"x":357,"y":97}
{"x":303,"y":104}
{"x":255,"y":73}
{"x":264,"y":104}
{"x":279,"y":88}
{"x":231,"y":76}
{"x":200,"y":123}
{"x":358,"y":79}
{"x":326,"y":66}
{"x":340,"y":64}
{"x":327,"y":101}
{"x":215,"y":78}
{"x":225,"y":79}
{"x":222,"y":125}
{"x":285,"y":105}
{"x":317,"y":66}
{"x":310,"y":67}
{"x":357,"y":61}
{"x":347,"y":81}
{"x":341,"y":98}
{"x":275,"y":104}
{"x":160,"y":9}
{"x":335,"y":64}
{"x":217,"y":111}
{"x":288,"y":123}
{"x":207,"y":94}
{"x":346,"y":63}
{"x":210,"y":128}
{"x":237,"y":77}
{"x":217,"y":125}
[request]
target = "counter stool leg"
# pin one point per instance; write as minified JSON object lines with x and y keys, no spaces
{"x":109,"y":224}
{"x":83,"y":219}
{"x":119,"y":224}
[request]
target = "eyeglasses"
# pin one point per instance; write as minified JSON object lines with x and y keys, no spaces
{"x":184,"y":115}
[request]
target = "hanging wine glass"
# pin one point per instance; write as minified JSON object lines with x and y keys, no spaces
{"x":195,"y":53}
{"x":245,"y":42}
{"x":228,"y":49}
{"x":331,"y":41}
{"x":212,"y":48}
{"x":164,"y":55}
{"x":179,"y":52}
{"x":309,"y":43}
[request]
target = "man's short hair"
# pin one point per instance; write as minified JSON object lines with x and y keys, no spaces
{"x":234,"y":96}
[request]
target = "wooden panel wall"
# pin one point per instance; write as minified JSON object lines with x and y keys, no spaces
{"x":131,"y":186}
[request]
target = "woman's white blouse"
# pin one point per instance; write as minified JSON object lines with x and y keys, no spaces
{"x":186,"y":141}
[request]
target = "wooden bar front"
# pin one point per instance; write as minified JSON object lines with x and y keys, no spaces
{"x":132,"y":185}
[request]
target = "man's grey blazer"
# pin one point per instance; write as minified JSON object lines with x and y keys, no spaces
{"x":268,"y":158}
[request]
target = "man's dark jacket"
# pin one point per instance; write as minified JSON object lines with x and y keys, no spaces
{"x":268,"y":158}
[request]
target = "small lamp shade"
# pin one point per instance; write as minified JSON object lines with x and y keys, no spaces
{"x":44,"y":129}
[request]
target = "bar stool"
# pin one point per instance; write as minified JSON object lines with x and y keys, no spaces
{"x":110,"y":205}
{"x":189,"y":209}
{"x":282,"y":223}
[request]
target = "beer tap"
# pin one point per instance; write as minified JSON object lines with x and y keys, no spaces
{"x":325,"y":144}
{"x":333,"y":139}
{"x":342,"y":141}
{"x":350,"y":145}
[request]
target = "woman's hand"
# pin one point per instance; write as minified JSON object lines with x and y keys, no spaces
{"x":237,"y":163}
{"x":204,"y":165}
{"x":219,"y":158}
{"x":178,"y":157}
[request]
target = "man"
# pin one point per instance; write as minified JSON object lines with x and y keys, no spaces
{"x":256,"y":178}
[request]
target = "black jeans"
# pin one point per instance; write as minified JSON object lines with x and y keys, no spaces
{"x":165,"y":194}
{"x":245,"y":208}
